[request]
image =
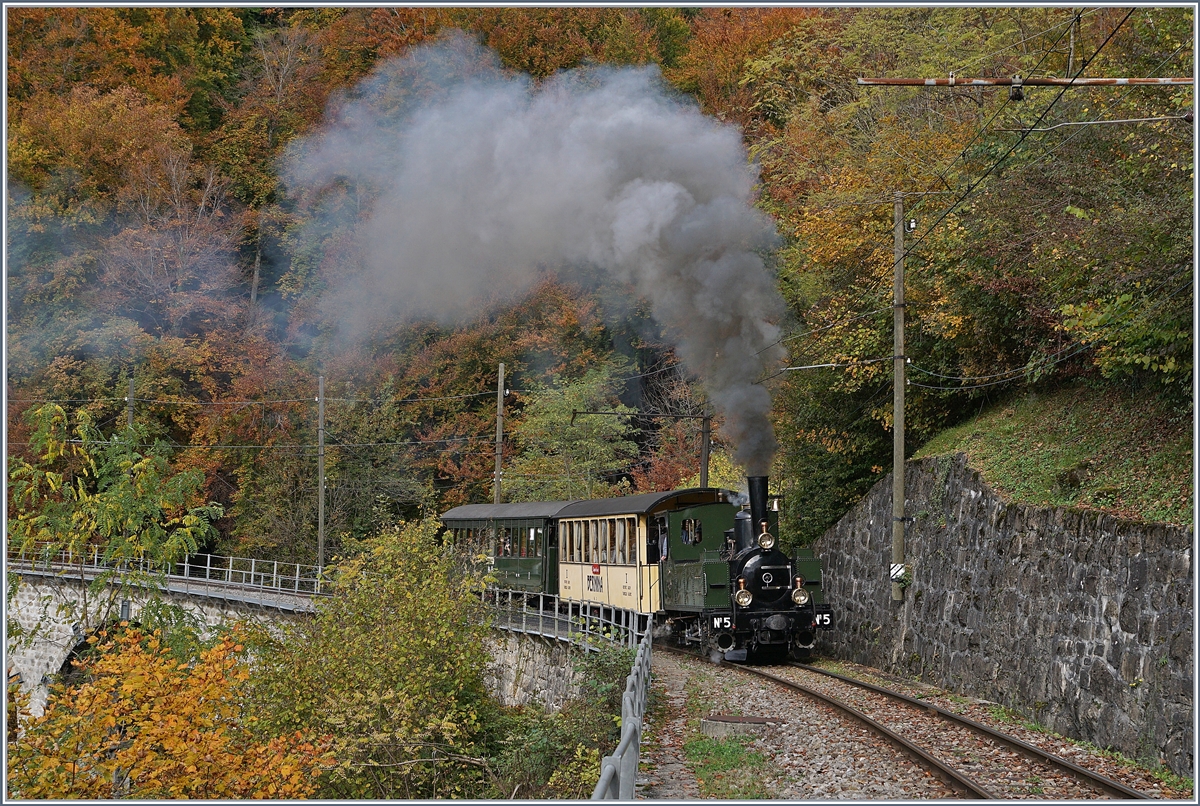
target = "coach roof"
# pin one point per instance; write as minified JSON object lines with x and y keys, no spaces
{"x":487,"y":512}
{"x":644,"y":503}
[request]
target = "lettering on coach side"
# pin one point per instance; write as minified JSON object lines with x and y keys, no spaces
{"x":595,"y":584}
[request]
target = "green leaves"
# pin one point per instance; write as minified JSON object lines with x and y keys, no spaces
{"x":1136,"y":332}
{"x":114,"y":496}
{"x":561,"y":456}
{"x":390,"y":667}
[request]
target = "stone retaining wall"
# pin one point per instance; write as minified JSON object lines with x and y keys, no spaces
{"x":529,"y":669}
{"x":1076,"y":619}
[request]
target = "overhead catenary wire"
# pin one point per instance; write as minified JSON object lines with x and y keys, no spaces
{"x":912,"y":249}
{"x":999,"y":161}
{"x":970,"y":189}
{"x":986,"y":126}
{"x":1072,"y":21}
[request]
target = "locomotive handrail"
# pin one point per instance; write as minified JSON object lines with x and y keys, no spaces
{"x":618,"y":772}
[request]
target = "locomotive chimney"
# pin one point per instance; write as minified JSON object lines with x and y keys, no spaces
{"x":758,"y":501}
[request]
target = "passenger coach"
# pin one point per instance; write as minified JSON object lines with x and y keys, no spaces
{"x":611,"y":549}
{"x":521,"y":541}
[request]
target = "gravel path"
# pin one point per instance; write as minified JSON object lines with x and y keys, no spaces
{"x":811,"y":752}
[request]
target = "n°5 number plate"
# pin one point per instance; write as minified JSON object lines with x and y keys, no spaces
{"x":722,"y":622}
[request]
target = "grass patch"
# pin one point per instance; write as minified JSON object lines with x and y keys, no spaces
{"x":727,"y":769}
{"x":1083,"y":447}
{"x":1169,"y":780}
{"x":1181,"y":784}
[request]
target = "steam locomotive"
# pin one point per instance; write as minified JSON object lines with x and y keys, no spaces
{"x":703,"y":561}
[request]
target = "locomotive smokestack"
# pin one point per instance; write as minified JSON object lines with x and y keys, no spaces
{"x":758,"y":501}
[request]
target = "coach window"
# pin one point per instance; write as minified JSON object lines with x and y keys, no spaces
{"x":612,"y":541}
{"x":633,"y":540}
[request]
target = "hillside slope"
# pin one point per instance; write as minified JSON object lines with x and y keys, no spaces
{"x":1080,"y":446}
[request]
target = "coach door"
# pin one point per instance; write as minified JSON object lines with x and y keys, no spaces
{"x":550,"y":562}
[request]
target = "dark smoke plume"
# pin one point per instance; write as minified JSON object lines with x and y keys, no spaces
{"x":480,"y":181}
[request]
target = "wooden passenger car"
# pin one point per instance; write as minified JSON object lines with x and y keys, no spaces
{"x":521,"y":541}
{"x":612,"y":551}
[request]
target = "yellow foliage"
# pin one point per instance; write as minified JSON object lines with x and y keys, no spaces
{"x":146,"y":727}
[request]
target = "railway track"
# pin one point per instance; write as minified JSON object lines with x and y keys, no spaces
{"x":972,"y":759}
{"x":804,"y":751}
{"x":956,"y":727}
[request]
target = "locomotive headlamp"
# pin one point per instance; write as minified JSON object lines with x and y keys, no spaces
{"x":766,"y":541}
{"x":800,"y":596}
{"x":743,"y":597}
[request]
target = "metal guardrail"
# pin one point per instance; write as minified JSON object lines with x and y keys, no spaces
{"x":265,"y":582}
{"x":551,"y":616}
{"x":587,"y":624}
{"x":618,"y":772}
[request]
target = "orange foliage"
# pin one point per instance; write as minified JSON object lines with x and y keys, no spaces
{"x":723,"y":40}
{"x":51,"y":50}
{"x":540,"y":41}
{"x":676,"y":457}
{"x":149,"y":727}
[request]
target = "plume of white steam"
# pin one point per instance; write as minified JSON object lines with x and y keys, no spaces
{"x":486,"y":181}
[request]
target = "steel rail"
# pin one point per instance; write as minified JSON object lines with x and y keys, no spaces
{"x":952,"y":777}
{"x":1109,"y":786}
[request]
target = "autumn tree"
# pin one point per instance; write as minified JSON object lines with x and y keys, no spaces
{"x":116,"y":497}
{"x":561,"y":455}
{"x":672,"y":431}
{"x":390,"y":666}
{"x":144,"y":725}
{"x":184,"y":57}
